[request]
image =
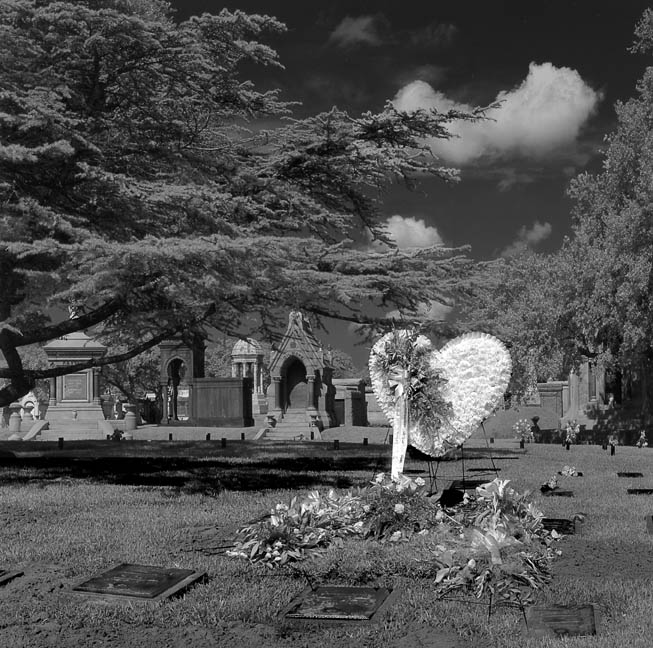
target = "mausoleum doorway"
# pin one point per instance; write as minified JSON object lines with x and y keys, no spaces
{"x":296,"y":385}
{"x":178,"y":390}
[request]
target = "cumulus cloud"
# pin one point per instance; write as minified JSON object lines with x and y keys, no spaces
{"x":432,"y":74}
{"x":362,"y":30}
{"x":542,"y":115}
{"x":528,"y":238}
{"x":409,"y":232}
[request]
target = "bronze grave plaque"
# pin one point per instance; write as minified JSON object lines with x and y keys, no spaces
{"x":339,"y":604}
{"x":561,"y":525}
{"x":630,"y":474}
{"x":488,"y":469}
{"x":144,"y":582}
{"x":640,"y":491}
{"x":561,"y":621}
{"x":558,"y":493}
{"x":467,"y":484}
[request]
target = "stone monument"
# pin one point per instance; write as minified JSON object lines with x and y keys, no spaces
{"x":74,"y":407}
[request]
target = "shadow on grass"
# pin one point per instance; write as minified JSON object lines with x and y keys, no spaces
{"x":207,"y":467}
{"x":268,"y":469}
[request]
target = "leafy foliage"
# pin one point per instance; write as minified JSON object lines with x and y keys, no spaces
{"x":493,"y":543}
{"x":132,"y":186}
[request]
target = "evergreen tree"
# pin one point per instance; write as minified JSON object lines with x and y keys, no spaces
{"x":136,"y":187}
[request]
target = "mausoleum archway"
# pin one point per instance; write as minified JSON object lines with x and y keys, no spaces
{"x":176,"y":371}
{"x":295,"y":384}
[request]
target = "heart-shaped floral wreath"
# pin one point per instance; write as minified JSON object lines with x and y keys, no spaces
{"x":449,"y":392}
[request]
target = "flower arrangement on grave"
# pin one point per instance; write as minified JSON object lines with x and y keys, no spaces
{"x":570,"y":471}
{"x":494,"y":543}
{"x":642,"y":441}
{"x":523,"y":430}
{"x":572,"y":431}
{"x":436,"y":399}
{"x":551,"y":484}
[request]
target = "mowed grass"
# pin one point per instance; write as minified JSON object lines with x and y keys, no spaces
{"x":72,"y":513}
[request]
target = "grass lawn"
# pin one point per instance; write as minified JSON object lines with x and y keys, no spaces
{"x":68,"y":514}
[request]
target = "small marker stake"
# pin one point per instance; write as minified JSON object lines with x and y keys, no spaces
{"x":336,"y":444}
{"x":170,"y":436}
{"x":60,"y":443}
{"x":365,"y":441}
{"x":223,"y":442}
{"x":208,"y":436}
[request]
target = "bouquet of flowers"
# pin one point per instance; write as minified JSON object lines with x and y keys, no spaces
{"x":642,"y":442}
{"x":572,"y":430}
{"x":523,"y":430}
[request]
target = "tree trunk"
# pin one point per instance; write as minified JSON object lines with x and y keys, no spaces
{"x":647,"y":388}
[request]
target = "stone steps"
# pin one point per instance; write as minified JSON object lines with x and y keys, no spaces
{"x":293,"y":426}
{"x":71,"y":431}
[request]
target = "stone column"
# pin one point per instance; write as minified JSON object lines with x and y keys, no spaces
{"x":96,"y":386}
{"x":276,"y":393}
{"x":310,"y":393}
{"x":53,"y":391}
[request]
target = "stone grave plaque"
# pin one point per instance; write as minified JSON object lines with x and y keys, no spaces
{"x":74,"y":387}
{"x":467,"y":484}
{"x":339,"y":604}
{"x":139,"y":582}
{"x":640,"y":491}
{"x":561,"y":525}
{"x":561,"y":621}
{"x":629,"y":474}
{"x":558,"y":493}
{"x":6,"y":576}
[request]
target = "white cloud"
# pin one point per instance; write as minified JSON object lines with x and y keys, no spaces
{"x":528,"y":238}
{"x":409,"y":232}
{"x":545,"y":113}
{"x":355,"y":31}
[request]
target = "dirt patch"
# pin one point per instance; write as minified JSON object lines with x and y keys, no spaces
{"x":584,"y":557}
{"x":210,"y":539}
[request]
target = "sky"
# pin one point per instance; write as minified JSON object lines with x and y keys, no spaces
{"x":557,"y":67}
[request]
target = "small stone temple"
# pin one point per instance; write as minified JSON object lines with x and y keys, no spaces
{"x":74,"y":405}
{"x":302,"y":392}
{"x":247,"y":362}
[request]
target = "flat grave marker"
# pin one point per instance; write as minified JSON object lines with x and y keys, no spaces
{"x":561,"y":621}
{"x":335,"y":604}
{"x":561,"y":525}
{"x":649,"y":524}
{"x":488,"y":469}
{"x":640,"y":491}
{"x":558,"y":493}
{"x":466,"y":484}
{"x":630,"y":474}
{"x":6,"y":575}
{"x":144,"y":582}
